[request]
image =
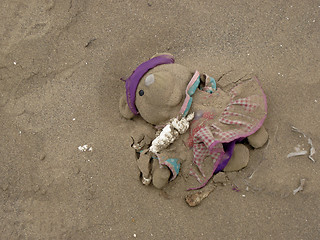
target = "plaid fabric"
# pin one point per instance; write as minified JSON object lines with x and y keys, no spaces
{"x":203,"y":139}
{"x":243,"y":114}
{"x":246,"y":103}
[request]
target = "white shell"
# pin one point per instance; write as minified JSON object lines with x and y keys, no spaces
{"x":170,"y":133}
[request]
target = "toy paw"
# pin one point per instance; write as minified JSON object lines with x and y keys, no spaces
{"x":239,"y":159}
{"x":140,"y":142}
{"x":143,"y":162}
{"x":161,"y":177}
{"x":259,"y":138}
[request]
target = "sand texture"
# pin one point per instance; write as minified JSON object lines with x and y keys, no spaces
{"x":67,"y":170}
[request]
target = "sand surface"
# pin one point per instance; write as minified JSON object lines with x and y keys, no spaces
{"x":60,"y":65}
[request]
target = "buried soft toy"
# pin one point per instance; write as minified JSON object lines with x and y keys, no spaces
{"x":171,"y":97}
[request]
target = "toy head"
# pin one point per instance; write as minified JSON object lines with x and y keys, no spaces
{"x":155,"y":90}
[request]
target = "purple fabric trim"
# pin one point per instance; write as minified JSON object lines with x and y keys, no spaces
{"x":228,"y":148}
{"x":133,"y":81}
{"x":228,"y":151}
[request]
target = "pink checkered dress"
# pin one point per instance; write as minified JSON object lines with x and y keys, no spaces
{"x":222,"y":118}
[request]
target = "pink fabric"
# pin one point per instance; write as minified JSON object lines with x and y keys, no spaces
{"x":242,"y":116}
{"x":187,"y":99}
{"x":248,"y":106}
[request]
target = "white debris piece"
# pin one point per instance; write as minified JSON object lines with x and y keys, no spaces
{"x":312,"y":150}
{"x":300,"y":188}
{"x":85,"y":148}
{"x":166,"y":137}
{"x":170,"y":133}
{"x":299,"y":153}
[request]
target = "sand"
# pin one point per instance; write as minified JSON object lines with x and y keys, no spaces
{"x":60,"y":65}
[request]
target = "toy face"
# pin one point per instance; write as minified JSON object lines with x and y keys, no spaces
{"x":161,"y":92}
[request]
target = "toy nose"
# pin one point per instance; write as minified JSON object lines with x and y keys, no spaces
{"x":149,"y":80}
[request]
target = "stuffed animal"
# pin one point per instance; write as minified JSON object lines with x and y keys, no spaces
{"x":189,"y":116}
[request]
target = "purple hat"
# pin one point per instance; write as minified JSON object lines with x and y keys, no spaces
{"x":133,"y":81}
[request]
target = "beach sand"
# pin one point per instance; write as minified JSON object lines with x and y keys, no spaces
{"x":60,"y":69}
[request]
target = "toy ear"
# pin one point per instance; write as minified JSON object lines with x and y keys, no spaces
{"x":124,"y":108}
{"x":159,"y":54}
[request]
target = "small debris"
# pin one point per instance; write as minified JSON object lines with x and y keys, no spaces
{"x":90,"y":42}
{"x":256,"y":169}
{"x":196,"y":198}
{"x":42,"y":156}
{"x":85,"y":148}
{"x":76,"y":170}
{"x":312,"y":150}
{"x":235,"y":187}
{"x":300,"y":188}
{"x":299,"y":153}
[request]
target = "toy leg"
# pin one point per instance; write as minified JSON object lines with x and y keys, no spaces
{"x":259,"y":138}
{"x":160,"y":175}
{"x":239,"y":158}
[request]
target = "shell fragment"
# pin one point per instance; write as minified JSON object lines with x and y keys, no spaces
{"x":170,"y":133}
